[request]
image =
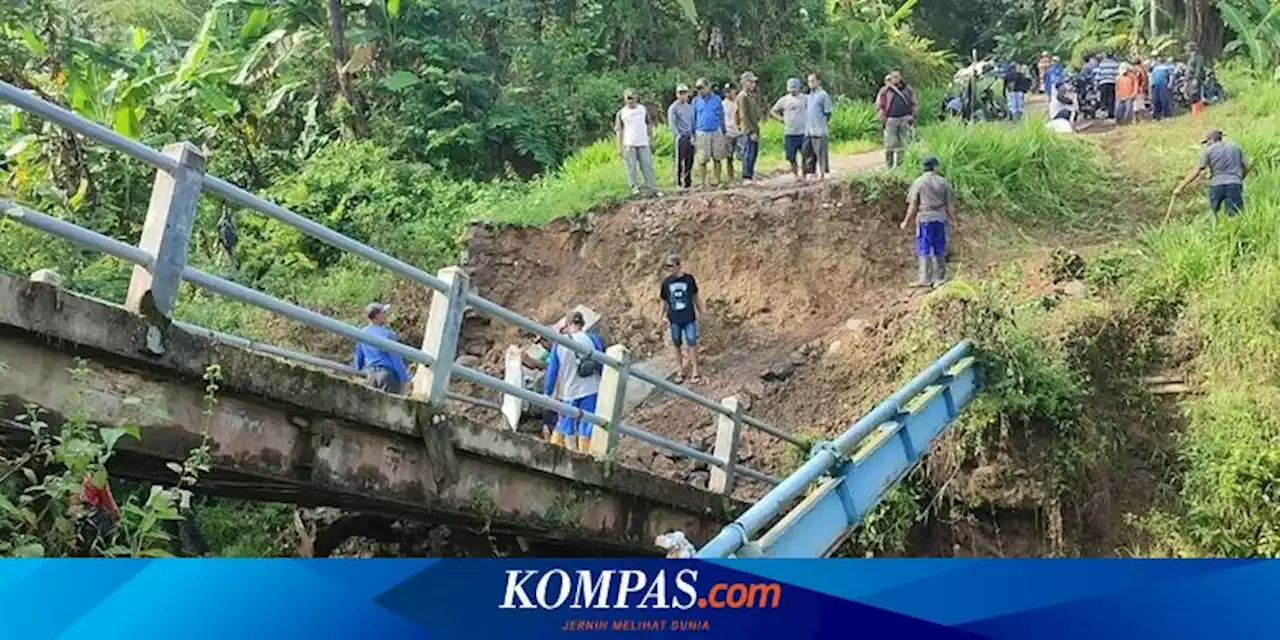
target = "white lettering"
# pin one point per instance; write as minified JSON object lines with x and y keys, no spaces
{"x":515,"y":589}
{"x":541,"y":591}
{"x":686,"y":587}
{"x":657,"y":591}
{"x":632,"y":581}
{"x":588,"y":590}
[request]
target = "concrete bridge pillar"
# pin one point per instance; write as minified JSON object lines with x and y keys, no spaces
{"x":613,"y":394}
{"x":728,"y":430}
{"x":167,"y":232}
{"x":440,"y":340}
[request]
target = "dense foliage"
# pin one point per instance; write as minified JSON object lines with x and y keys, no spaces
{"x":417,"y":116}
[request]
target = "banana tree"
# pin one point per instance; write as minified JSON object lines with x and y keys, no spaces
{"x":1257,"y":30}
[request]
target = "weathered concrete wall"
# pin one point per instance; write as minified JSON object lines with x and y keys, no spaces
{"x":285,"y":432}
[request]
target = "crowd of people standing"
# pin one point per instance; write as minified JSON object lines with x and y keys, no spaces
{"x":1122,"y":91}
{"x":715,"y":127}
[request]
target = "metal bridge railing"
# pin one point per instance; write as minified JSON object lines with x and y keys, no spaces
{"x":160,"y":261}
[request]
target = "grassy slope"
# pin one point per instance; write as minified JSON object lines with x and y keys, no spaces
{"x":1195,"y":293}
{"x":1224,"y":278}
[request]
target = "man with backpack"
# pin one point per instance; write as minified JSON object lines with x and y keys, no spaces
{"x":896,"y":108}
{"x":578,"y":380}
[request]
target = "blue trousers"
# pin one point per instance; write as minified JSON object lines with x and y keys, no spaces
{"x":1162,"y":102}
{"x":750,"y":149}
{"x":1230,"y":195}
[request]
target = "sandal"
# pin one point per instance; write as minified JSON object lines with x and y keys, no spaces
{"x":695,"y":379}
{"x":679,"y":379}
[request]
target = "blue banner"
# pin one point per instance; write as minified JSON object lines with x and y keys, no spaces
{"x":741,"y":599}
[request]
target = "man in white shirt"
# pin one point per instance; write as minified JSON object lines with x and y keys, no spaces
{"x":634,"y":128}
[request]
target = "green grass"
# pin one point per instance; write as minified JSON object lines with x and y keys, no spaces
{"x":1025,"y":172}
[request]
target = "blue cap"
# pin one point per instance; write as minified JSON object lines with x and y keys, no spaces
{"x":793,"y":83}
{"x":930,"y":162}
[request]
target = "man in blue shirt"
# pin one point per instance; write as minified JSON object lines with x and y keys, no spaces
{"x":709,"y":139}
{"x":816,"y":130}
{"x":383,"y":371}
{"x":578,"y":380}
{"x":1162,"y":89}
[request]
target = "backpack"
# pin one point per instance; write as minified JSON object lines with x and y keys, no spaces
{"x":588,"y":368}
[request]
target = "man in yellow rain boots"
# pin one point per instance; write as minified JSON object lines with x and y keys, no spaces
{"x":578,"y":381}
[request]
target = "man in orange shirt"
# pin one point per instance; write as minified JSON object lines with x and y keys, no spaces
{"x":1126,"y":93}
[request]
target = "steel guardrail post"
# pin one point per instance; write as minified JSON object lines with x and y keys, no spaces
{"x":167,"y":232}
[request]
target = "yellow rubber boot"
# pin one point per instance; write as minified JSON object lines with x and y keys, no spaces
{"x":557,"y":438}
{"x":584,"y":445}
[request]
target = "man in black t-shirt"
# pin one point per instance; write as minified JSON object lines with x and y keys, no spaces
{"x":681,"y":306}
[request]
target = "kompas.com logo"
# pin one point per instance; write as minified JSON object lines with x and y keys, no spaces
{"x":613,"y":589}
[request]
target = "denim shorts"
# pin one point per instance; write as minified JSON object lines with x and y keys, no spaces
{"x":686,"y":333}
{"x":1231,"y":195}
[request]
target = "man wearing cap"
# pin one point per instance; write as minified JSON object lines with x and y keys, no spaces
{"x":680,"y":117}
{"x":709,"y":141}
{"x":681,"y":306}
{"x":896,"y":108}
{"x":578,"y":381}
{"x":383,"y":371}
{"x":791,"y":110}
{"x":816,"y":133}
{"x":634,"y":128}
{"x":932,"y":202}
{"x":749,"y":116}
{"x":1227,"y":170}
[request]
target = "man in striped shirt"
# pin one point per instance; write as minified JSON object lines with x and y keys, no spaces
{"x":1106,"y":75}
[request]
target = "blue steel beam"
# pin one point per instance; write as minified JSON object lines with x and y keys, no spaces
{"x":847,"y":477}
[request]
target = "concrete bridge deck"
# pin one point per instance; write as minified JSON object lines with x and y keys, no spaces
{"x":284,"y":432}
